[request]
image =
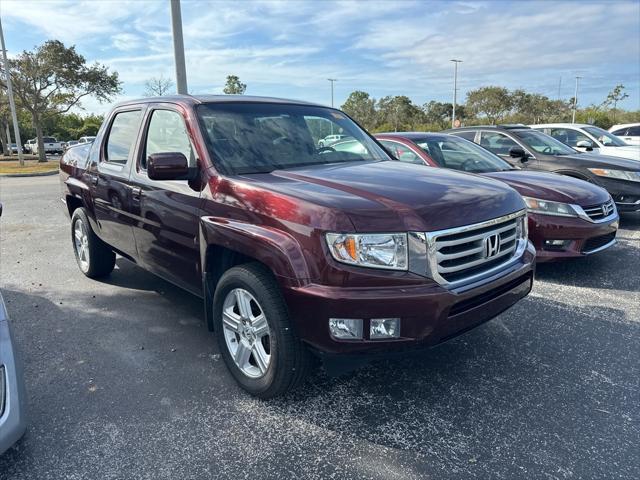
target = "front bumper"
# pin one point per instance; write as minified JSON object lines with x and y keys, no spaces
{"x":429,"y":313}
{"x":582,"y":237}
{"x":12,"y":406}
{"x":625,"y":194}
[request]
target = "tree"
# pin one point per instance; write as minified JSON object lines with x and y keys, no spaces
{"x":616,"y":95}
{"x":399,"y":112}
{"x":234,"y":86}
{"x":491,"y":102}
{"x":157,"y":86}
{"x":52,"y":79}
{"x":362,"y":108}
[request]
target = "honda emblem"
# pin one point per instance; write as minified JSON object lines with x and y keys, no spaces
{"x":491,"y":245}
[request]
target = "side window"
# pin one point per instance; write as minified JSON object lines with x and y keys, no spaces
{"x":122,"y":134}
{"x":402,"y":152}
{"x":466,"y":135}
{"x":497,"y":143}
{"x":569,"y":137}
{"x":621,"y":132}
{"x":167,"y":133}
{"x":633,"y":132}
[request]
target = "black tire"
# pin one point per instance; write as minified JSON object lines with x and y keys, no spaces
{"x":290,"y":360}
{"x":99,"y":259}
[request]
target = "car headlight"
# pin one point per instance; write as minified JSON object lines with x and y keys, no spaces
{"x":545,"y":207}
{"x":619,"y":174}
{"x":373,"y":250}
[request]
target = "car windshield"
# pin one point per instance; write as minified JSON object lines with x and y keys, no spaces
{"x":456,"y":153}
{"x":543,"y":143}
{"x":604,"y":137}
{"x":262,"y":137}
{"x":48,"y":140}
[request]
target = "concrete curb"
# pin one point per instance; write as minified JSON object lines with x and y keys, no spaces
{"x":36,"y":174}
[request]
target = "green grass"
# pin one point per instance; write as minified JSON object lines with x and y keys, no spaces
{"x":30,"y":166}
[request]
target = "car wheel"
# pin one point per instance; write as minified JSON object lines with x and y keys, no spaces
{"x":94,"y":257}
{"x":255,"y":335}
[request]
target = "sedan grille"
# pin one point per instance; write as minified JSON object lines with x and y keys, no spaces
{"x":466,"y":254}
{"x":598,"y":212}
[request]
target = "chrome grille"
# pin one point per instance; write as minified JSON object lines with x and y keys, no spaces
{"x":466,"y":254}
{"x":598,"y":212}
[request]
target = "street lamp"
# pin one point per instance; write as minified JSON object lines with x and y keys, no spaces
{"x":332,"y":80}
{"x":575,"y":101}
{"x":455,"y":90}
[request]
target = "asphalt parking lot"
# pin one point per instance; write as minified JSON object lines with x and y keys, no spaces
{"x":124,"y":381}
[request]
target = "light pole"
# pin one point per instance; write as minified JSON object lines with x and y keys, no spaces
{"x":178,"y":47}
{"x":575,"y":101}
{"x":455,"y":90}
{"x":12,"y":104}
{"x":332,"y":80}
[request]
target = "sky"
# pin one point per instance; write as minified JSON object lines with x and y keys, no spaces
{"x":290,"y":48}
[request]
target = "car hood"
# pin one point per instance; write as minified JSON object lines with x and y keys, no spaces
{"x":553,"y":187}
{"x":394,"y":196}
{"x":630,"y":151}
{"x":597,"y":160}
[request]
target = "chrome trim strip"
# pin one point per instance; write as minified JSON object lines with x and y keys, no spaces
{"x":583,"y":215}
{"x":474,"y":226}
{"x":599,"y":249}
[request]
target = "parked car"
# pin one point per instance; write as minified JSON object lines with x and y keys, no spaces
{"x":51,"y":145}
{"x":70,"y":144}
{"x":294,"y":249}
{"x":86,"y":139}
{"x":589,"y":138}
{"x":12,"y":397}
{"x":14,"y":148}
{"x":628,"y":132}
{"x":329,"y":139}
{"x":28,"y":147}
{"x":533,"y":150}
{"x":567,"y":217}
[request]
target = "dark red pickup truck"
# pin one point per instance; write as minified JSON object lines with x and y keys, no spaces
{"x":295,"y":249}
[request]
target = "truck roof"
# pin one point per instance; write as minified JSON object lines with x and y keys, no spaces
{"x":200,"y":99}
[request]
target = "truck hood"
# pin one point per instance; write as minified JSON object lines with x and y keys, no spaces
{"x":553,"y":187}
{"x":394,"y":196}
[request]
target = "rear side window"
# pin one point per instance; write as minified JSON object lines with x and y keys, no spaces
{"x":497,"y":143}
{"x":402,"y":152}
{"x":569,"y":136}
{"x":123,"y":132}
{"x":466,"y":135}
{"x":633,"y":132}
{"x":167,"y":133}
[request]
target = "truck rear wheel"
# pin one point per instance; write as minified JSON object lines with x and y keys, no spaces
{"x":255,"y":335}
{"x":95,"y":259}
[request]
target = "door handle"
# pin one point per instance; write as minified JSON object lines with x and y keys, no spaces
{"x":136,"y":192}
{"x":94,"y":179}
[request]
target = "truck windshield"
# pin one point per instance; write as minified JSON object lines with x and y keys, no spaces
{"x":262,"y":137}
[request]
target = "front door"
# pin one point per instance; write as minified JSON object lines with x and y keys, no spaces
{"x":109,"y":180}
{"x":167,"y":211}
{"x":500,"y":144}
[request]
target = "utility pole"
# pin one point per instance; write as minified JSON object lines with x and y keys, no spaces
{"x":559,"y":87}
{"x":455,"y":90}
{"x":12,"y":103}
{"x":575,"y":101}
{"x":178,"y":47}
{"x":332,"y":80}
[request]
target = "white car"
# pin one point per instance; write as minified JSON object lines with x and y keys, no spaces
{"x":329,"y":139}
{"x":629,"y":132}
{"x":589,"y":138}
{"x":86,"y":139}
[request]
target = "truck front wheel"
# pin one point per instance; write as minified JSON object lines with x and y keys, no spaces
{"x":254,"y":333}
{"x":94,"y":257}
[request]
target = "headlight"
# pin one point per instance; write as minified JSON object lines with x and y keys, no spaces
{"x":619,"y":174}
{"x":546,"y":207}
{"x":375,"y":250}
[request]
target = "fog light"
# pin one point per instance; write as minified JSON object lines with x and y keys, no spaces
{"x":346,"y":328}
{"x":384,"y":328}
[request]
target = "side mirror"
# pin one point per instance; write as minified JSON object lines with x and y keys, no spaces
{"x":586,"y":144}
{"x":518,"y":152}
{"x":0,"y":209}
{"x":167,"y":166}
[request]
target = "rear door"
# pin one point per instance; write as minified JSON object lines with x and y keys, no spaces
{"x":167,"y":211}
{"x":109,"y":179}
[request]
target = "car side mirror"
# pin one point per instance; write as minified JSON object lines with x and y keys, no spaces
{"x":586,"y":144}
{"x":0,"y":209}
{"x":167,"y":166}
{"x":518,"y":152}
